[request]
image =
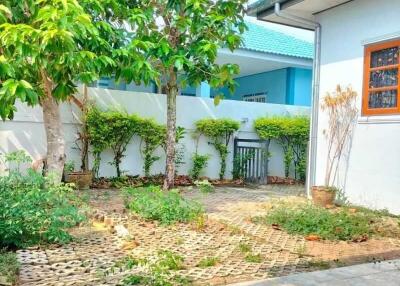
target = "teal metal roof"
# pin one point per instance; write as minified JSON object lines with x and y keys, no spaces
{"x":262,"y":39}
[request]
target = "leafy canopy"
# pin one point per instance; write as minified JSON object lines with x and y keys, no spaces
{"x":175,"y":42}
{"x":47,"y":46}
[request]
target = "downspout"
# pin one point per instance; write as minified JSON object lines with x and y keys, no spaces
{"x":312,"y":150}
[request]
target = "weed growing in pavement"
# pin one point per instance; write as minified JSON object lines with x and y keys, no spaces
{"x":9,"y":267}
{"x":166,"y":207}
{"x":161,"y":272}
{"x":307,"y":219}
{"x":253,"y":258}
{"x":208,"y":262}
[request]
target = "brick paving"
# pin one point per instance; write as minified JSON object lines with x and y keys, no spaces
{"x":91,"y":258}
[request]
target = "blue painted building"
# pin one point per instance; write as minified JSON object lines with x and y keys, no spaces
{"x":274,"y":67}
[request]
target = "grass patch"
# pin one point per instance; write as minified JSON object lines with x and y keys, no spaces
{"x":249,"y":256}
{"x":307,"y":219}
{"x":170,"y":260}
{"x":204,"y":186}
{"x":244,"y":248}
{"x":161,"y":272}
{"x":166,"y":207}
{"x":319,"y":264}
{"x":208,"y":262}
{"x":9,"y":267}
{"x":253,"y":258}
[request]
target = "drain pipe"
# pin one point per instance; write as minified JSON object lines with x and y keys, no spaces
{"x":312,"y":147}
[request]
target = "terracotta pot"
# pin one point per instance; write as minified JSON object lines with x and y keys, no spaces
{"x":322,"y":196}
{"x":82,"y":180}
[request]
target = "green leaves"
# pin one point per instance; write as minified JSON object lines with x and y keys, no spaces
{"x":33,"y":211}
{"x":185,"y":37}
{"x":292,"y":133}
{"x":10,"y":91}
{"x":307,"y":219}
{"x":57,"y":38}
{"x":165,"y":207}
{"x":5,"y":13}
{"x":220,"y":132}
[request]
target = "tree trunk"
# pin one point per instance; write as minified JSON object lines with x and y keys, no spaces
{"x":169,"y":179}
{"x":54,"y":132}
{"x":84,"y":133}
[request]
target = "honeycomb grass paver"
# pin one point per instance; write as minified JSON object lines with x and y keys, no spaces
{"x":92,"y":258}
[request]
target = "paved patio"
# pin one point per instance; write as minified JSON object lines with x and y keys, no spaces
{"x":89,"y":259}
{"x":371,"y":274}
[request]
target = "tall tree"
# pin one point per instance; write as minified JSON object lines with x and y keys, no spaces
{"x":46,"y":47}
{"x":175,"y":44}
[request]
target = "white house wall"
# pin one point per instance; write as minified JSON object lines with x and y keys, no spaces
{"x":26,"y":130}
{"x":372,"y":175}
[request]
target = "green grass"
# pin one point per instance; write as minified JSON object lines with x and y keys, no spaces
{"x":8,"y":266}
{"x":166,"y":207}
{"x":170,"y":260}
{"x":244,"y":248}
{"x":306,"y":219}
{"x":208,"y":262}
{"x":319,"y":264}
{"x":253,"y":258}
{"x":161,"y":272}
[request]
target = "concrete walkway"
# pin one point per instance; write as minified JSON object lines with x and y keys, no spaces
{"x":371,"y":274}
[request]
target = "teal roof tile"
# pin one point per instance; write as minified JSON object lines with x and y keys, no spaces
{"x":262,"y":39}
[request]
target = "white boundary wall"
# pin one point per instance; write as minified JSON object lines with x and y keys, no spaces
{"x":26,"y":130}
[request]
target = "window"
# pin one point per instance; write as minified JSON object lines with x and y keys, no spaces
{"x":381,"y":79}
{"x":255,"y":97}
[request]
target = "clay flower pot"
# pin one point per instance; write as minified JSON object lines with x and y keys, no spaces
{"x":82,"y":180}
{"x":323,"y":196}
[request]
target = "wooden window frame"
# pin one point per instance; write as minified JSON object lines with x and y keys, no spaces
{"x":367,"y":74}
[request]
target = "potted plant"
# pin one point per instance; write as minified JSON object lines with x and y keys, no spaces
{"x":342,"y":113}
{"x":83,"y":178}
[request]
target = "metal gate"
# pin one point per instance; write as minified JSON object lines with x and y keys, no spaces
{"x":250,"y":160}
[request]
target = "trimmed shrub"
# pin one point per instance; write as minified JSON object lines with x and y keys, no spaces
{"x":220,"y":132}
{"x":110,"y":129}
{"x":153,"y":136}
{"x":292,"y":134}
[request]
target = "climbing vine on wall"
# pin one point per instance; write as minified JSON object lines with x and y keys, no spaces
{"x":220,"y":132}
{"x":153,"y":136}
{"x":292,"y":134}
{"x":111,"y":130}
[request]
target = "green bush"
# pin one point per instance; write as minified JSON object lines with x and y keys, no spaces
{"x":34,"y":211}
{"x":292,"y":133}
{"x":166,"y":207}
{"x":308,"y":219}
{"x":153,"y":136}
{"x":220,"y":132}
{"x":199,"y":163}
{"x":16,"y":159}
{"x":110,"y":130}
